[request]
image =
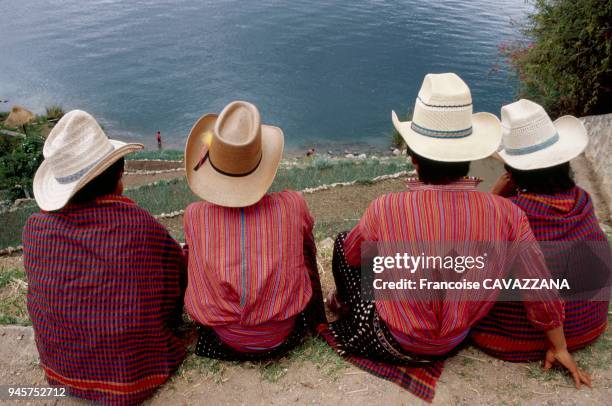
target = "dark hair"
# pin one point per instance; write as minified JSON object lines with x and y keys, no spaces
{"x":103,"y":184}
{"x":546,"y":181}
{"x":438,"y":172}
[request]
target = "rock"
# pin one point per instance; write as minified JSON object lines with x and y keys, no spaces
{"x":350,"y":156}
{"x":396,"y":152}
{"x":330,"y":152}
{"x":404,"y":151}
{"x":326,"y":244}
{"x":362,"y":156}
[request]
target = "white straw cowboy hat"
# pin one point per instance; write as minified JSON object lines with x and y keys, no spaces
{"x":443,"y":127}
{"x":75,"y":152}
{"x":231,"y":158}
{"x":531,"y":140}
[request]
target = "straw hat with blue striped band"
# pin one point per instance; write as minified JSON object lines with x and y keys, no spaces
{"x":75,"y":152}
{"x":531,"y":140}
{"x":443,"y":127}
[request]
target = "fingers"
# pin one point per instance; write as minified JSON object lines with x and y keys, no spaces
{"x":585,"y":378}
{"x":576,"y":376}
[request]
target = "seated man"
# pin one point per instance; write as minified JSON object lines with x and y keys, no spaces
{"x":253,"y":281}
{"x":104,"y":277}
{"x":442,"y":205}
{"x":537,"y":152}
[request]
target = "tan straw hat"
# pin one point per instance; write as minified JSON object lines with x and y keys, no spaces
{"x":75,"y":152}
{"x":443,"y":127}
{"x":531,"y":140}
{"x":231,"y":159}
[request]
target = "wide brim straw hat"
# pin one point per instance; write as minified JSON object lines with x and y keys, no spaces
{"x":531,"y":140}
{"x":231,"y":159}
{"x":75,"y":152}
{"x":443,"y":127}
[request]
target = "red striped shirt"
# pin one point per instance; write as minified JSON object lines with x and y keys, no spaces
{"x":453,"y":212}
{"x":247,"y":269}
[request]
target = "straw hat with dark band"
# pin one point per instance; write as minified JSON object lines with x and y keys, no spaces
{"x":443,"y":127}
{"x":231,"y":158}
{"x":75,"y":152}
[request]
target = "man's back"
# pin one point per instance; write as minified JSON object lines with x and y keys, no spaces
{"x":449,"y":213}
{"x":103,"y":293}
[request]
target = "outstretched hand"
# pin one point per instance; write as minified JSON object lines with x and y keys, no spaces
{"x":564,"y":358}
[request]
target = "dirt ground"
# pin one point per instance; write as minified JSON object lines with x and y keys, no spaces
{"x":469,"y":378}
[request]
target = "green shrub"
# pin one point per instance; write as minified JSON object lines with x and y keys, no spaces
{"x":19,"y":159}
{"x":397,"y":141}
{"x":55,"y":112}
{"x":564,"y":63}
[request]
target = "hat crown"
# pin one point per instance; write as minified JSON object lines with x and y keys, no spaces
{"x":236,"y":146}
{"x":526,"y":125}
{"x":445,"y":89}
{"x":75,"y":144}
{"x":443,"y":108}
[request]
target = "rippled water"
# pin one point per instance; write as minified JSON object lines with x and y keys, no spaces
{"x":325,"y":71}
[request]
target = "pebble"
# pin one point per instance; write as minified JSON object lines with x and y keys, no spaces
{"x":362,"y":156}
{"x":396,"y":152}
{"x":350,"y":156}
{"x":326,"y":244}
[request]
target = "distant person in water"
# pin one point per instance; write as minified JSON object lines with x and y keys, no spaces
{"x":253,"y":286}
{"x":159,"y":140}
{"x":537,"y":152}
{"x":105,"y":279}
{"x":442,"y":206}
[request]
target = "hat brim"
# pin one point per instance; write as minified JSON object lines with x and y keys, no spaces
{"x":232,"y":191}
{"x":573,"y":139}
{"x":484,"y":140}
{"x":51,"y":195}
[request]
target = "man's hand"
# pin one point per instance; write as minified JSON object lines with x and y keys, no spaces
{"x":564,"y":358}
{"x":504,"y":186}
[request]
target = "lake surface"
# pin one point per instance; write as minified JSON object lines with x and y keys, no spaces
{"x":324,"y":71}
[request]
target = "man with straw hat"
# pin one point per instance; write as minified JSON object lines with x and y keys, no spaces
{"x":537,"y":152}
{"x":253,"y":284}
{"x":104,"y":277}
{"x":441,"y":212}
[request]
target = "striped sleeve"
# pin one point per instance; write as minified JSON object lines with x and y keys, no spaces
{"x":363,"y":231}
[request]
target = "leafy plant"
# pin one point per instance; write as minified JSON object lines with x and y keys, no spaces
{"x":19,"y":160}
{"x":564,"y":62}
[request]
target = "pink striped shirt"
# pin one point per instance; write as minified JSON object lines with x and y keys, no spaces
{"x":453,"y":212}
{"x":247,"y":268}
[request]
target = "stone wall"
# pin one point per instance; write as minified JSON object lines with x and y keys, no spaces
{"x":599,"y":153}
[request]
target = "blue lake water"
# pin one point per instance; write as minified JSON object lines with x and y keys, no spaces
{"x":324,"y":71}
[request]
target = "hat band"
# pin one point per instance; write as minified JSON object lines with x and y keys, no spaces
{"x":234,"y":175}
{"x":440,"y":133}
{"x":533,"y":148}
{"x":79,"y":174}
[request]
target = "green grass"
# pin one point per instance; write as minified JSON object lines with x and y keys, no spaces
{"x":173,"y":195}
{"x":13,"y":309}
{"x":12,"y":225}
{"x":313,"y":350}
{"x":55,"y":112}
{"x":164,"y":155}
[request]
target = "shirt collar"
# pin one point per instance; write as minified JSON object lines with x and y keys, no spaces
{"x":464,"y":184}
